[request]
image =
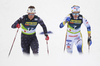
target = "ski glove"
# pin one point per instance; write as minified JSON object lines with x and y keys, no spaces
{"x":89,"y":41}
{"x":47,"y":38}
{"x":18,"y":26}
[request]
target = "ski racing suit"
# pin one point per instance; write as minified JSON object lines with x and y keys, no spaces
{"x":73,"y":34}
{"x":28,"y":35}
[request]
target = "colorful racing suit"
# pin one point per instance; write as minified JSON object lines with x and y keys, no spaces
{"x":28,"y":36}
{"x":73,"y":34}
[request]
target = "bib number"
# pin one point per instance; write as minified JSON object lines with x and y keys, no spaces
{"x":29,"y":29}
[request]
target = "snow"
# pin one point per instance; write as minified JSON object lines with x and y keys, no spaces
{"x":52,"y":12}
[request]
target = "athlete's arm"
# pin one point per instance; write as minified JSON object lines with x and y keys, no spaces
{"x":17,"y":22}
{"x":86,"y":23}
{"x":88,"y":30}
{"x":67,"y":19}
{"x":43,"y":26}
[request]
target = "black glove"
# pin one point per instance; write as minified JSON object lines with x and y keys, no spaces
{"x":89,"y":41}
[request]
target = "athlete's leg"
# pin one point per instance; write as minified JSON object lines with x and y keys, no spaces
{"x":79,"y":44}
{"x":25,"y":44}
{"x":69,"y":46}
{"x":69,"y":43}
{"x":34,"y":44}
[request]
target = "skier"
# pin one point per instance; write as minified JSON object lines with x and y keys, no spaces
{"x":73,"y":35}
{"x":28,"y":24}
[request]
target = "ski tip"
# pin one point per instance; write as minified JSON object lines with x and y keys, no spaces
{"x":49,"y":32}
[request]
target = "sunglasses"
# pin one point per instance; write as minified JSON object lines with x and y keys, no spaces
{"x":31,"y":14}
{"x":75,"y":13}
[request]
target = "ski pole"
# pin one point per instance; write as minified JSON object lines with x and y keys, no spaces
{"x":65,"y":41}
{"x":47,"y":46}
{"x":66,"y":37}
{"x":13,"y":42}
{"x":64,"y":46}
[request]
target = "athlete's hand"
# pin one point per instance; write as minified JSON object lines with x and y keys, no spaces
{"x":89,"y":41}
{"x":18,"y":26}
{"x":47,"y":38}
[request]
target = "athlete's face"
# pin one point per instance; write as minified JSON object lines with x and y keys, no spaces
{"x":30,"y":16}
{"x":75,"y":14}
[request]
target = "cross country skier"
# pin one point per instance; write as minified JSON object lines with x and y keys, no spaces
{"x":73,"y":35}
{"x":28,"y":24}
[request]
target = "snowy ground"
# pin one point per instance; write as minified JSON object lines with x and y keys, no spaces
{"x":53,"y":13}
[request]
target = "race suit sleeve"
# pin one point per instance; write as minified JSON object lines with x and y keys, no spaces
{"x":86,"y":23}
{"x":17,"y":22}
{"x":43,"y":26}
{"x":67,"y":19}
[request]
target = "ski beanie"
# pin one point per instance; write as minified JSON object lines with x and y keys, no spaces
{"x":31,"y":9}
{"x":75,"y":8}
